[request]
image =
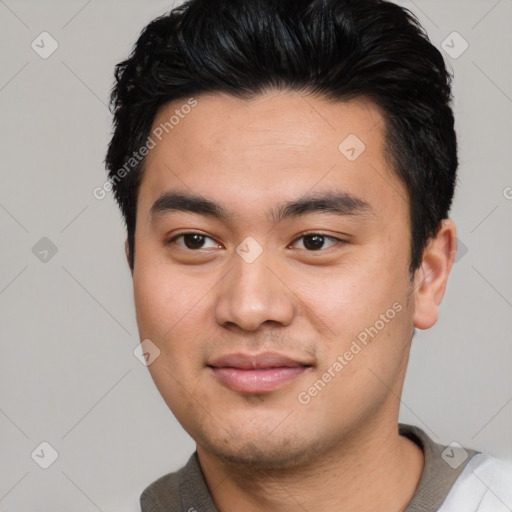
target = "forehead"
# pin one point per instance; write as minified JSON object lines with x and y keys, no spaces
{"x":277,"y":144}
{"x":277,"y":123}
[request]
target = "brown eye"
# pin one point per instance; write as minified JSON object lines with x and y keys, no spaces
{"x":316,"y":241}
{"x":313,"y":242}
{"x":193,"y":241}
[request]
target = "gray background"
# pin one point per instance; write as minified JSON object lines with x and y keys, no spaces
{"x":68,"y":375}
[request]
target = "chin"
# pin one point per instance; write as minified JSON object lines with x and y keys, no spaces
{"x":266,"y":452}
{"x":263,"y":457}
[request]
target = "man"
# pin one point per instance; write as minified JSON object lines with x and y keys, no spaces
{"x":286,"y":170}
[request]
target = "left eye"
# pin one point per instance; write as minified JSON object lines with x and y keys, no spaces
{"x":193,"y":241}
{"x":316,"y":241}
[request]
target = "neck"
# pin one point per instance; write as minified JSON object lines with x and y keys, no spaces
{"x":373,"y":469}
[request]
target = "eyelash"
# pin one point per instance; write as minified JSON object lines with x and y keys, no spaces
{"x":326,"y":237}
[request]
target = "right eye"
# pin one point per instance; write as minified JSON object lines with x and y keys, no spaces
{"x":192,"y":241}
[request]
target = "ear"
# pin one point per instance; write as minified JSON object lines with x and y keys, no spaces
{"x":431,"y":277}
{"x":127,"y":252}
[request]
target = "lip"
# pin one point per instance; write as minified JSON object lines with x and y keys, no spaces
{"x":257,"y":373}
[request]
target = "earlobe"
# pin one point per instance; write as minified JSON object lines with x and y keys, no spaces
{"x":432,"y":276}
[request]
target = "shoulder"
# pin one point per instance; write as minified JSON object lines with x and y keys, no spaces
{"x":485,"y":485}
{"x":184,"y":491}
{"x":161,"y":492}
{"x":165,"y":493}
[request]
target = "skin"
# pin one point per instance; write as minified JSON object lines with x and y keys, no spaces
{"x":269,"y":451}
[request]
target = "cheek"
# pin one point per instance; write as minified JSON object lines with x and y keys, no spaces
{"x":170,"y":314}
{"x":165,"y":299}
{"x":172,"y":310}
{"x":152,"y":303}
{"x":364,"y":318}
{"x":351,"y":295}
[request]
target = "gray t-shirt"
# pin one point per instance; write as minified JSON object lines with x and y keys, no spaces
{"x":186,"y":490}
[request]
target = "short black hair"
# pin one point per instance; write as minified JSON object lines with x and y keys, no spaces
{"x":338,"y":49}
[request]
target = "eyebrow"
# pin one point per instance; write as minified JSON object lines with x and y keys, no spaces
{"x":339,"y":203}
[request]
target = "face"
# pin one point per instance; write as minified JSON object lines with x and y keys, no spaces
{"x":272,"y":249}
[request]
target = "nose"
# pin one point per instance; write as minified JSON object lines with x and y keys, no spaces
{"x":254,"y":293}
